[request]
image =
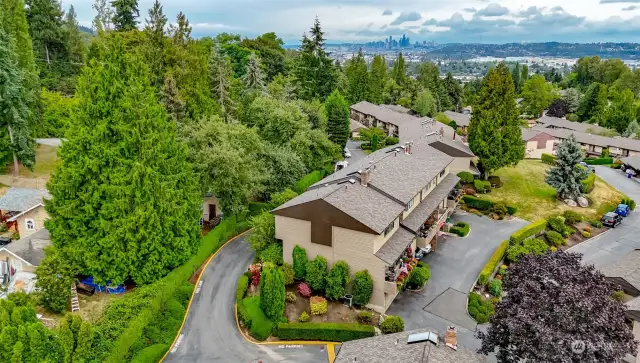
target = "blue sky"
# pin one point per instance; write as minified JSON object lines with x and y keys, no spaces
{"x":465,"y":21}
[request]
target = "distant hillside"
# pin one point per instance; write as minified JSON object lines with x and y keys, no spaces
{"x":549,"y":49}
{"x":85,"y":29}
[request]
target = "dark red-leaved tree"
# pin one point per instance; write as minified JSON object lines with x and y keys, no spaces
{"x":558,"y":108}
{"x":557,"y":310}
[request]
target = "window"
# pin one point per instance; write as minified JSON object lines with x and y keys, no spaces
{"x":442,"y":173}
{"x":389,"y":228}
{"x":409,"y":205}
{"x":31,"y":225}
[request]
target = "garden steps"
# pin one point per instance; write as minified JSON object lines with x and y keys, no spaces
{"x":75,"y":303}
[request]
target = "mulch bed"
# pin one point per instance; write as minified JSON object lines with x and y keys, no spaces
{"x":337,"y":312}
{"x":578,"y":238}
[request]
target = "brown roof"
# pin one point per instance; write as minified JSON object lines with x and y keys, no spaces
{"x":461,"y":119}
{"x":384,"y":114}
{"x":355,"y":125}
{"x":397,"y":108}
{"x":590,"y":139}
{"x":569,"y":125}
{"x":394,"y":348}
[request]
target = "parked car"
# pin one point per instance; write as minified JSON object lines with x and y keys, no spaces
{"x":611,"y":220}
{"x":421,"y":252}
{"x":623,"y":210}
{"x":347,"y":153}
{"x":588,"y":167}
{"x":4,"y":241}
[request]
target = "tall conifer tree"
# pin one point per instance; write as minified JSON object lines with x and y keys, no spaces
{"x":124,"y":200}
{"x":358,"y":79}
{"x":378,"y":79}
{"x":125,"y":14}
{"x":338,"y":118}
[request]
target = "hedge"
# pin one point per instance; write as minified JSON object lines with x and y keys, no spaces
{"x":131,"y":332}
{"x":308,"y":180}
{"x":151,"y":353}
{"x":243,"y":284}
{"x":477,"y":203}
{"x":465,"y":177}
{"x":598,"y":161}
{"x":259,"y":325}
{"x":533,"y":229}
{"x":511,"y":210}
{"x":588,"y":184}
{"x":495,"y":259}
{"x":548,"y":159}
{"x":460,"y":228}
{"x":330,"y":332}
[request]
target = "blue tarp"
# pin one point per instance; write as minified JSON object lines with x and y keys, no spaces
{"x":104,"y":288}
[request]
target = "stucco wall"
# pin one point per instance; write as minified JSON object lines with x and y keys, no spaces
{"x":205,"y":207}
{"x":294,"y":232}
{"x":460,"y":164}
{"x":532,"y":151}
{"x":15,"y":262}
{"x":38,"y":216}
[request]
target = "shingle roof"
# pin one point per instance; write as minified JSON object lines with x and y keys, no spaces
{"x":31,"y":248}
{"x":21,"y":199}
{"x":430,"y":203}
{"x":628,"y":269}
{"x":570,"y":125}
{"x":450,"y":147}
{"x":584,"y":138}
{"x":633,"y":304}
{"x":394,"y":348}
{"x":461,"y":119}
{"x":384,"y":114}
{"x":397,"y":108}
{"x":632,"y":161}
{"x":392,"y":249}
{"x":355,"y":125}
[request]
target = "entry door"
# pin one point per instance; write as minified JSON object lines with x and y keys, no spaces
{"x":212,"y":211}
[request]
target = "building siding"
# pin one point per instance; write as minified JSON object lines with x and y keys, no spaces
{"x":37,"y":215}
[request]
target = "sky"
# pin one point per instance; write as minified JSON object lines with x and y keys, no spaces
{"x":450,"y":21}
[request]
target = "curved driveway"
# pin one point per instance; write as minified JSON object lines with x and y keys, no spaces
{"x":210,"y":333}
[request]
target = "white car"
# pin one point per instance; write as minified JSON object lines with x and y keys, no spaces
{"x":347,"y":153}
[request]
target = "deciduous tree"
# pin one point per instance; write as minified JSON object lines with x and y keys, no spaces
{"x":132,"y":193}
{"x":494,"y":133}
{"x":537,"y":95}
{"x":572,"y":98}
{"x":620,"y":112}
{"x":567,"y":173}
{"x":551,"y":301}
{"x":425,"y":104}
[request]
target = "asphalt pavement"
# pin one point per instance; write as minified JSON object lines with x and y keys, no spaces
{"x":356,"y":151}
{"x":210,"y":333}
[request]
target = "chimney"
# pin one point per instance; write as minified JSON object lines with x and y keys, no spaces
{"x":365,"y":177}
{"x":406,"y":148}
{"x":450,"y":338}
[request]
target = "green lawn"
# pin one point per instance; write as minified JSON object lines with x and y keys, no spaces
{"x":260,"y":325}
{"x":525,"y":188}
{"x":46,"y":162}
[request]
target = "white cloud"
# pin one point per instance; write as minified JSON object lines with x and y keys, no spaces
{"x":387,"y":12}
{"x":405,"y":17}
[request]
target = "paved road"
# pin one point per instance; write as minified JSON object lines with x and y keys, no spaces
{"x":613,"y":245}
{"x":356,"y":151}
{"x":49,"y":142}
{"x":454,"y":268}
{"x":210,"y":333}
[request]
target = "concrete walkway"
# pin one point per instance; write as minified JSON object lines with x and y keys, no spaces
{"x":455,"y":266}
{"x":210,"y":333}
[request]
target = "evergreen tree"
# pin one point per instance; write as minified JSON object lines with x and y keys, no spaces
{"x":66,"y":339}
{"x":54,"y":281}
{"x":254,"y":77}
{"x":338,"y":119}
{"x":131,"y":194}
{"x":429,"y":78}
{"x":104,"y":17}
{"x":272,"y":293}
{"x":425,"y":104}
{"x":358,"y":79}
{"x":515,"y":75}
{"x":221,"y":77}
{"x":633,"y":130}
{"x":593,"y":103}
{"x":37,"y":347}
{"x":171,"y":99}
{"x":399,"y":70}
{"x":18,"y":351}
{"x":537,"y":95}
{"x":156,"y":44}
{"x":13,"y":19}
{"x":494,"y":132}
{"x":620,"y":113}
{"x":377,"y":79}
{"x":314,"y":71}
{"x":125,"y":13}
{"x":84,"y":342}
{"x":453,"y":92}
{"x":567,"y":174}
{"x":15,"y":136}
{"x":75,"y":44}
{"x":524,"y":75}
{"x":572,"y":98}
{"x":271,"y":53}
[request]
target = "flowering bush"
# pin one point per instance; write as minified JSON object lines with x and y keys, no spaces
{"x":255,"y":274}
{"x":319,"y":305}
{"x":291,"y":297}
{"x":304,"y":289}
{"x":304,"y":317}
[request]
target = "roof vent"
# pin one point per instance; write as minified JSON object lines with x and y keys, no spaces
{"x":352,"y":181}
{"x":423,"y":337}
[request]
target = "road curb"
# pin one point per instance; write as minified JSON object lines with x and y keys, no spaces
{"x":587,"y":240}
{"x":186,"y":314}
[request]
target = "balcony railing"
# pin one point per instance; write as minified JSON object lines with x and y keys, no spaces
{"x":432,"y":222}
{"x":455,"y":194}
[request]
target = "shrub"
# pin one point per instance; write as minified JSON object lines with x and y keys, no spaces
{"x":554,"y":238}
{"x":272,"y":254}
{"x":279,"y":199}
{"x":479,"y":309}
{"x":568,"y":231}
{"x":152,"y":353}
{"x":571,"y":217}
{"x":300,"y":261}
{"x":630,"y":202}
{"x":495,"y":287}
{"x":337,"y":280}
{"x":461,"y":229}
{"x":272,"y":293}
{"x":532,"y":245}
{"x":3,"y":227}
{"x":304,"y":317}
{"x":243,"y":315}
{"x":365,"y":317}
{"x":487,"y":185}
{"x":587,"y":228}
{"x":554,"y":249}
{"x":243,"y":284}
{"x":418,"y":277}
{"x":598,"y":161}
{"x":495,"y":180}
{"x":511,"y":210}
{"x":304,"y":289}
{"x":595,"y":223}
{"x":502,"y":270}
{"x":316,"y":273}
{"x":470,"y":191}
{"x":477,"y":203}
{"x":291,"y":297}
{"x":260,"y":326}
{"x":392,"y":324}
{"x":391,"y":140}
{"x":548,"y":159}
{"x":533,"y":229}
{"x":362,"y":288}
{"x":331,"y":332}
{"x":557,"y":223}
{"x":319,"y":305}
{"x":479,"y":185}
{"x":588,"y":184}
{"x":465,"y":177}
{"x":618,"y":295}
{"x":500,"y":209}
{"x":308,"y":180}
{"x":288,"y":273}
{"x":572,"y":117}
{"x":495,"y":259}
{"x":586,"y":234}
